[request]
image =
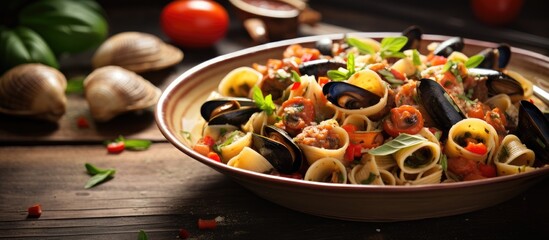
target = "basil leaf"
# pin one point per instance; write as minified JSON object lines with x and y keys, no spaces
{"x":444,"y":162}
{"x":142,"y":235}
{"x":137,"y":144}
{"x":95,"y":170}
{"x":23,"y":45}
{"x":350,"y":64}
{"x":393,"y":44}
{"x":266,"y":104}
{"x":474,"y":61}
{"x":295,"y":77}
{"x":67,"y":26}
{"x":370,"y":179}
{"x":98,"y":178}
{"x":336,"y":75}
{"x":362,"y":47}
{"x":415,"y":58}
{"x":401,"y":141}
{"x":75,"y":85}
{"x":388,"y":54}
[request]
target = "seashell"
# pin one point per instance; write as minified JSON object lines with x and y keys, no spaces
{"x":33,"y":90}
{"x":113,"y":90}
{"x":136,"y":51}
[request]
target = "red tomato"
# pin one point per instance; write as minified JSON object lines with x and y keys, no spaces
{"x":487,"y":170}
{"x":478,"y":148}
{"x":115,"y":147}
{"x":496,"y":12}
{"x":194,"y":23}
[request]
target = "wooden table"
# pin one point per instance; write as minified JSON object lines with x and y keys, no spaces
{"x":161,"y":190}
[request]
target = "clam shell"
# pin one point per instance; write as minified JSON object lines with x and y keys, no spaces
{"x":136,"y":51}
{"x":113,"y":90}
{"x":33,"y":90}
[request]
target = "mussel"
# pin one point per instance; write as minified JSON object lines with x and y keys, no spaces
{"x":533,"y":130}
{"x":413,"y":33}
{"x":446,"y":48}
{"x":498,"y":82}
{"x":33,"y":90}
{"x":349,"y":96}
{"x":278,"y":148}
{"x":320,"y":67}
{"x":438,"y":104}
{"x":325,"y":45}
{"x":496,"y":58}
{"x":233,"y":111}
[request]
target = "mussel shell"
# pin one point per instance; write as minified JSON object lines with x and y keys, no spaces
{"x":349,"y":96}
{"x":282,"y":157}
{"x":214,"y":107}
{"x":496,"y":58}
{"x":498,"y":82}
{"x":325,"y":46}
{"x":235,"y":117}
{"x":320,"y":67}
{"x":447,"y":47}
{"x":284,"y":165}
{"x":438,"y":104}
{"x":413,"y":33}
{"x":533,"y":131}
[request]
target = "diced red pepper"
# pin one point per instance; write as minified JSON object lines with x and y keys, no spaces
{"x":214,"y":156}
{"x":34,"y":211}
{"x":398,"y":75}
{"x":116,"y":147}
{"x":183,"y":233}
{"x":478,"y":148}
{"x":323,"y":80}
{"x":208,"y":140}
{"x":350,"y":128}
{"x":204,"y":224}
{"x":438,"y":60}
{"x":82,"y":122}
{"x":352,"y":151}
{"x":296,"y":85}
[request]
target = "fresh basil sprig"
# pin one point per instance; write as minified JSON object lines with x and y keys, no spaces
{"x":338,"y":75}
{"x":142,"y":235}
{"x":390,"y":47}
{"x":403,"y":140}
{"x":474,"y":61}
{"x":132,"y":144}
{"x":415,"y":58}
{"x":264,"y":103}
{"x":98,"y":175}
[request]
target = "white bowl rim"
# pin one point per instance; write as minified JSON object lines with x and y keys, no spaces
{"x":289,"y":182}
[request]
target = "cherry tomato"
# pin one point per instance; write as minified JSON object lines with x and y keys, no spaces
{"x":194,"y":23}
{"x":115,"y":147}
{"x":496,"y":12}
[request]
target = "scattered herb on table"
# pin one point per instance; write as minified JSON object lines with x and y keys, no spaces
{"x":120,"y":144}
{"x":98,"y":175}
{"x":34,"y":211}
{"x":142,"y":235}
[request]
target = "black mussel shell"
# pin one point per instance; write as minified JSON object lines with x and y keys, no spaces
{"x":277,"y":134}
{"x":235,"y":117}
{"x":438,"y":104}
{"x":413,"y":33}
{"x":533,"y":131}
{"x":348,"y":96}
{"x":325,"y":46}
{"x":283,"y":158}
{"x":214,"y":107}
{"x":496,"y":58}
{"x":498,"y":82}
{"x":320,"y":67}
{"x":447,"y":47}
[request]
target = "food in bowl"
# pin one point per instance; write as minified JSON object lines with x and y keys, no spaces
{"x":363,"y":111}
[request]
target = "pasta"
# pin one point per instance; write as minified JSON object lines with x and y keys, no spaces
{"x":370,"y":112}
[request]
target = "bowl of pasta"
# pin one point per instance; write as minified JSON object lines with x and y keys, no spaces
{"x":367,"y":126}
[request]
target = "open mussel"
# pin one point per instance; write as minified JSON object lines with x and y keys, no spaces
{"x":349,"y":96}
{"x":320,"y":67}
{"x":438,"y":104}
{"x":498,"y":82}
{"x":533,"y":130}
{"x":278,"y":148}
{"x":496,"y":58}
{"x":447,"y":47}
{"x":214,"y":107}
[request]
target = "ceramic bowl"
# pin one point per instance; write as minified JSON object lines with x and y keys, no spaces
{"x":178,"y":111}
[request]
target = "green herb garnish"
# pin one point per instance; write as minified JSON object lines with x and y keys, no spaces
{"x":361,"y":46}
{"x":401,"y":141}
{"x":132,"y":144}
{"x":75,"y":85}
{"x":474,"y":61}
{"x":98,"y":175}
{"x":415,"y":58}
{"x":264,"y":103}
{"x":142,"y":235}
{"x":370,"y":179}
{"x":339,"y":75}
{"x":390,"y":47}
{"x":295,"y":77}
{"x":444,"y":162}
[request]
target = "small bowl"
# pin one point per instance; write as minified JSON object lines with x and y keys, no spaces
{"x":269,"y":20}
{"x":178,"y":110}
